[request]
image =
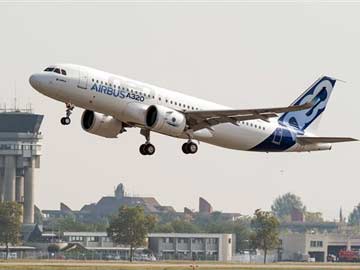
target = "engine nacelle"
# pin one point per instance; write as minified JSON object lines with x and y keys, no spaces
{"x":100,"y":124}
{"x":165,"y":120}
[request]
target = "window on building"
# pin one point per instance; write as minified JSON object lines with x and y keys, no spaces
{"x":316,"y":243}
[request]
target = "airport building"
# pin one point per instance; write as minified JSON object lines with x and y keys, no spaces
{"x":192,"y":246}
{"x":316,"y":246}
{"x":20,"y":151}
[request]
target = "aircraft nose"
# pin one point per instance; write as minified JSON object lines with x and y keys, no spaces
{"x":34,"y":81}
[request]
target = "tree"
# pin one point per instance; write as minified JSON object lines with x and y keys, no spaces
{"x":265,"y":231}
{"x":354,"y":217}
{"x":285,"y":204}
{"x":10,"y":224}
{"x":182,"y":226}
{"x":70,"y":224}
{"x":314,"y":217}
{"x":53,"y":248}
{"x":130,"y":227}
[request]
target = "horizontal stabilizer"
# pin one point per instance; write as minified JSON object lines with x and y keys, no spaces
{"x":314,"y":140}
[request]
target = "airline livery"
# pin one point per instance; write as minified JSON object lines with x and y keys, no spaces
{"x":114,"y":103}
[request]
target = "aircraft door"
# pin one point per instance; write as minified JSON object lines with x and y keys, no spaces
{"x":83,"y":79}
{"x":277,"y":136}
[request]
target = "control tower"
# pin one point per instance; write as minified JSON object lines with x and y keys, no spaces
{"x":20,"y":152}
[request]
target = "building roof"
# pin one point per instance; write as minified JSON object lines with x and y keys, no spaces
{"x":85,"y":234}
{"x":20,"y":122}
{"x":189,"y":235}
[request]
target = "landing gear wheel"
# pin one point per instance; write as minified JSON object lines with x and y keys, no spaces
{"x":184,"y":148}
{"x":142,"y":149}
{"x":147,"y":149}
{"x":150,"y":149}
{"x":192,"y":147}
{"x":65,"y":121}
{"x":189,"y":148}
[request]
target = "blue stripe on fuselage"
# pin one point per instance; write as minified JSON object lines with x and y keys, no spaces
{"x":280,"y":140}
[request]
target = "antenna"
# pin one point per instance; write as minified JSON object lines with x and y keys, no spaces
{"x":15,"y":101}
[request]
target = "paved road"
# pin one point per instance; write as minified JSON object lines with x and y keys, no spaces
{"x":158,"y":265}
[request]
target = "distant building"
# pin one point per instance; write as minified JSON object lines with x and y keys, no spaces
{"x":20,"y":151}
{"x":204,"y":206}
{"x":297,"y":215}
{"x":109,"y":205}
{"x":192,"y":246}
{"x":301,"y":246}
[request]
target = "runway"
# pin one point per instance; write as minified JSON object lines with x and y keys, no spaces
{"x":99,"y":265}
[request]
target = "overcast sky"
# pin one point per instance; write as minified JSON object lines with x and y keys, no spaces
{"x":238,"y":54}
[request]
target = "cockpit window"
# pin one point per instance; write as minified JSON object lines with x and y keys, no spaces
{"x":57,"y":70}
{"x":49,"y":69}
{"x":63,"y":72}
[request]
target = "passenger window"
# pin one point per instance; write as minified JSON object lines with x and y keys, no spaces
{"x":97,"y":81}
{"x":57,"y":70}
{"x":92,"y":79}
{"x":105,"y":83}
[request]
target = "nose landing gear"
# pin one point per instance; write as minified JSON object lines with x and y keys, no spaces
{"x":66,"y":120}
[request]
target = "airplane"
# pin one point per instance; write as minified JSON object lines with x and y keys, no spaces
{"x":115,"y":103}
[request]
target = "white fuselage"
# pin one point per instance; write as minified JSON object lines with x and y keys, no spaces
{"x":116,"y":96}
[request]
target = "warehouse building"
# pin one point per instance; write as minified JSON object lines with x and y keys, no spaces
{"x":315,"y":246}
{"x":192,"y":246}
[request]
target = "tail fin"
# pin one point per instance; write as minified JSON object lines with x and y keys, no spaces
{"x":318,"y":94}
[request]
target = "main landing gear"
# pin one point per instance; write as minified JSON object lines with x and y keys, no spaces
{"x":189,"y":147}
{"x":147,"y":148}
{"x":66,"y":120}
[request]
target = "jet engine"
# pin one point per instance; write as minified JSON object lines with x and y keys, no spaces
{"x":100,"y":124}
{"x":165,"y":120}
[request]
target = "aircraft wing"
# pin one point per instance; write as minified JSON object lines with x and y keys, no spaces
{"x":206,"y":119}
{"x":313,"y":140}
